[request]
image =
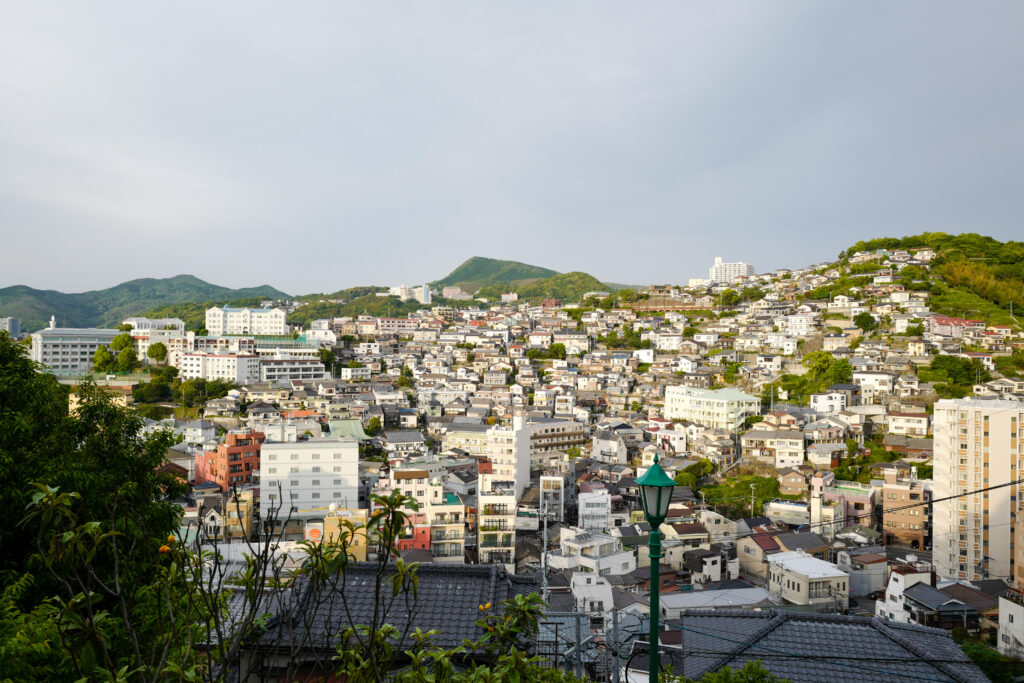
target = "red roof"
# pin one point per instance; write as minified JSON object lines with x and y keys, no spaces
{"x":765,"y":541}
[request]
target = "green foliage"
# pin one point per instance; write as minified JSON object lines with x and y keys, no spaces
{"x":127,"y":359}
{"x":732,"y":497}
{"x":479,"y":271}
{"x":566,"y":286}
{"x":369,"y":304}
{"x":373,"y":427}
{"x":157,"y":352}
{"x":110,"y":306}
{"x":729,"y":298}
{"x":121,"y":342}
{"x":865,"y":321}
{"x":341,"y":294}
{"x":959,"y":372}
{"x":1012,"y":365}
{"x":103,"y":360}
{"x":752,"y":672}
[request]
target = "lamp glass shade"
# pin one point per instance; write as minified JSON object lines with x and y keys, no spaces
{"x":655,"y":492}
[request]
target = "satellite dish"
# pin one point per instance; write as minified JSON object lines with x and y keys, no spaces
{"x":333,"y":507}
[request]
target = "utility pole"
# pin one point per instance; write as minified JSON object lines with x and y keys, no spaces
{"x":752,"y":500}
{"x":579,"y":646}
{"x":615,"y":648}
{"x":544,"y":551}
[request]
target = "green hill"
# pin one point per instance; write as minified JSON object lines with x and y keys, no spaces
{"x":110,"y":306}
{"x":972,"y":275}
{"x":567,"y":287}
{"x":478,"y":272}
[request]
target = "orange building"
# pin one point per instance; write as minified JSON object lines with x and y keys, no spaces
{"x":234,"y":461}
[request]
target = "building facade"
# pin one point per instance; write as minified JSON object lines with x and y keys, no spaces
{"x":257,"y":321}
{"x":308,"y":474}
{"x":717,"y":408}
{"x":976,"y":445}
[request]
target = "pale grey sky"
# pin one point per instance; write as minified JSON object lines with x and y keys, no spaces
{"x":319,"y":145}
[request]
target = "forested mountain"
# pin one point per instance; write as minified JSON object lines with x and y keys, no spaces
{"x":110,"y":306}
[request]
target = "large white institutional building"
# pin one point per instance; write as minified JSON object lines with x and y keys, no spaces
{"x":255,"y":321}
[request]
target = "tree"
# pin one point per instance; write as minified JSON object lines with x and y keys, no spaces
{"x":404,"y":382}
{"x":127,"y":359}
{"x":865,"y":321}
{"x":122,"y":341}
{"x":373,"y":427}
{"x":103,"y":360}
{"x":730,"y":298}
{"x":556,"y":351}
{"x":327,"y":357}
{"x":157,"y":352}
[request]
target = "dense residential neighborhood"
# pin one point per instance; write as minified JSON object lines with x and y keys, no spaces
{"x":838,"y":448}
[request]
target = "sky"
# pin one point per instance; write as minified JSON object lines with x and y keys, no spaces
{"x":320,"y":145}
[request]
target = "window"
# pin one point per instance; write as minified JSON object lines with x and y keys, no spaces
{"x":316,"y":469}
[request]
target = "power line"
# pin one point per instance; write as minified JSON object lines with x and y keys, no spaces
{"x":916,"y":505}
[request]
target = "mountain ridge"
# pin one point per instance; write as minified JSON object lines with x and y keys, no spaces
{"x":111,"y":305}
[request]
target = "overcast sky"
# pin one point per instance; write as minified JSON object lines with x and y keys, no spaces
{"x":319,"y":145}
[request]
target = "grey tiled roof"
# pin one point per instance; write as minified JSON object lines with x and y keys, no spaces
{"x":808,"y":648}
{"x":448,"y":599}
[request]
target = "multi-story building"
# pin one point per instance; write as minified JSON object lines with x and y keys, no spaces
{"x":595,"y":510}
{"x":238,"y":368}
{"x":496,"y":524}
{"x":282,"y":369}
{"x":977,"y":445}
{"x":234,"y":463}
{"x":901,"y":523}
{"x":802,"y":579}
{"x":717,"y":408}
{"x":583,"y":551}
{"x":222,"y":321}
{"x":551,"y":435}
{"x":785,"y":447}
{"x":69,"y":350}
{"x":726,"y":273}
{"x":152,"y":324}
{"x":11,"y":326}
{"x":307,"y":474}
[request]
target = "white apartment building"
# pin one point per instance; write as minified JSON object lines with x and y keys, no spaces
{"x":311,"y":474}
{"x":238,"y":368}
{"x":284,"y":369}
{"x":152,"y":324}
{"x":256,"y":321}
{"x":595,"y":510}
{"x":69,"y":350}
{"x":805,"y":580}
{"x":977,"y":444}
{"x":718,"y":408}
{"x":726,"y":273}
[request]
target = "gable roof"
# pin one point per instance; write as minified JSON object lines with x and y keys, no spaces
{"x":448,"y":599}
{"x":808,"y":648}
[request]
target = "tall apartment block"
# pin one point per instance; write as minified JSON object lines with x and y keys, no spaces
{"x":977,"y":445}
{"x":725,"y":273}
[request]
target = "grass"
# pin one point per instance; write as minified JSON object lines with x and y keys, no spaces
{"x":961,"y":303}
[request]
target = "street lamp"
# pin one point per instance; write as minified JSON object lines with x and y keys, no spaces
{"x":655,"y":494}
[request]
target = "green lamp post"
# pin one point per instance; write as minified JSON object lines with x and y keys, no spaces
{"x":655,"y":494}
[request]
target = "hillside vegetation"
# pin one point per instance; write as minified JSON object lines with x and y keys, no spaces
{"x":110,"y":306}
{"x":974,"y":275}
{"x":567,"y":287}
{"x":479,"y":272}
